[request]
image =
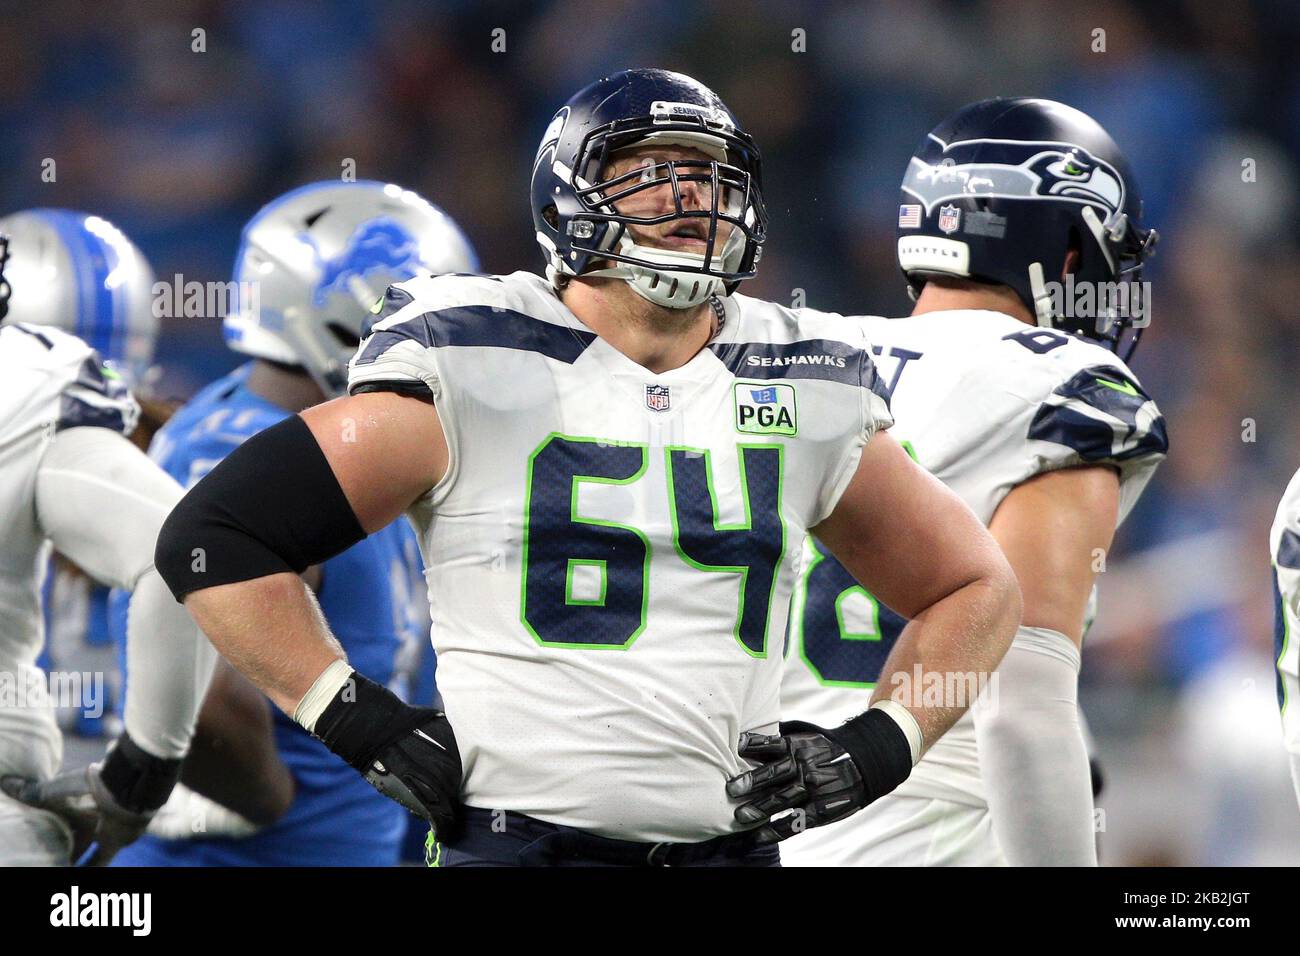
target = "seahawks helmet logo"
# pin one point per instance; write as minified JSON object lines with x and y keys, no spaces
{"x":1029,"y":170}
{"x":551,"y":138}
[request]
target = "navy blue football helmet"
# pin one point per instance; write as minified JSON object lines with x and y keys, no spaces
{"x":1001,"y":191}
{"x":576,"y":223}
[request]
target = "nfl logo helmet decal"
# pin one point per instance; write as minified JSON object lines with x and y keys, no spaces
{"x":949,"y":218}
{"x":658,"y":398}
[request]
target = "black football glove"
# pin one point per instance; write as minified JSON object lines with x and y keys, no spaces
{"x":106,"y":805}
{"x":822,"y":775}
{"x":406,"y":753}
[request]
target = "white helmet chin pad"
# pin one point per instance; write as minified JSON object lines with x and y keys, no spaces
{"x":668,"y":287}
{"x":672,"y":288}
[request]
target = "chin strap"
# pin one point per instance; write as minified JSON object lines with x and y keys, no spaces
{"x":1042,"y":298}
{"x":719,"y":317}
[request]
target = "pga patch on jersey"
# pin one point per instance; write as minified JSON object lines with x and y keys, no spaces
{"x":766,"y":409}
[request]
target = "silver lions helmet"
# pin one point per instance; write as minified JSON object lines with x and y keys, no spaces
{"x":81,"y":274}
{"x":315,"y":262}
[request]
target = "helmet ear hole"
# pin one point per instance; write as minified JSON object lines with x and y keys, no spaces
{"x":552,"y":217}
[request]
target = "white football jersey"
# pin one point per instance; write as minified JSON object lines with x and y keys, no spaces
{"x":984,"y":402}
{"x":612,"y":551}
{"x":1284,"y":543}
{"x":49,"y":381}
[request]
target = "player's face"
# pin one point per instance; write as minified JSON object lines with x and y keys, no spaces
{"x":681,"y":235}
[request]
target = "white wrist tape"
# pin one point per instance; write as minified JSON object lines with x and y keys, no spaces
{"x":907,"y":723}
{"x":320,"y":694}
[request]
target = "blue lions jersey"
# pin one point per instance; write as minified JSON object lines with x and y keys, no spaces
{"x":371,"y":596}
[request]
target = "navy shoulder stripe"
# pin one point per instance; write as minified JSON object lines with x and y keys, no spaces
{"x":825,"y":359}
{"x":482,"y":326}
{"x":394,"y":301}
{"x":76,"y":413}
{"x":1099,"y":414}
{"x":97,"y":397}
{"x":93,"y":374}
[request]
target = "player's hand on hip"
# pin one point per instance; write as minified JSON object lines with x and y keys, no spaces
{"x":406,"y":753}
{"x":420,"y":769}
{"x":821,"y":775}
{"x":106,"y":805}
{"x":799,"y":770}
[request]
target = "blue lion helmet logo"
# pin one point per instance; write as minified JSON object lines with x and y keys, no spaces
{"x":379,"y":245}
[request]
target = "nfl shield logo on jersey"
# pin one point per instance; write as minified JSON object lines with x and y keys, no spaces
{"x":657,"y":398}
{"x":949,"y":218}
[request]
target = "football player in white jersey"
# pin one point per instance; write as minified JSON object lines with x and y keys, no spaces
{"x":1284,"y":543}
{"x":611,"y":470}
{"x":69,"y":478}
{"x":1008,"y":395}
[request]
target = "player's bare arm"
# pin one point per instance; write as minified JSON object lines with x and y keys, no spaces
{"x":1055,"y":530}
{"x":385,"y":450}
{"x":358,"y":463}
{"x":913,"y":543}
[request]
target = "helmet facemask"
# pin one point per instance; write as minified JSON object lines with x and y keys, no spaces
{"x":667,"y":277}
{"x":1113,"y":252}
{"x":1126,"y":247}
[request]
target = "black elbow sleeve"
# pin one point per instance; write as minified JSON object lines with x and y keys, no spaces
{"x":272,"y":505}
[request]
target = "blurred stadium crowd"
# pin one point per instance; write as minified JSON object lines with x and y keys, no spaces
{"x":179,"y":148}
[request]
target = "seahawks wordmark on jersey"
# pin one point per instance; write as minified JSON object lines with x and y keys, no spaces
{"x":612,"y":551}
{"x":984,"y":403}
{"x":1284,"y":543}
{"x":49,"y":381}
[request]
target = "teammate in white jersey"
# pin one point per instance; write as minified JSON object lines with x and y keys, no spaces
{"x":1013,"y":402}
{"x":611,"y":470}
{"x":1284,"y":543}
{"x":70,"y":479}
